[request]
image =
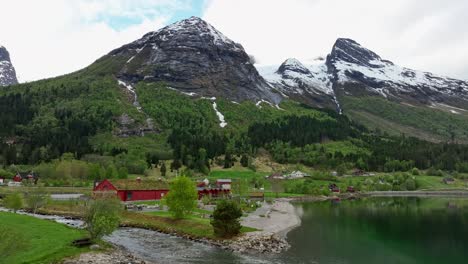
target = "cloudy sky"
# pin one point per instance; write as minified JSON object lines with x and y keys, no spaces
{"x":53,"y":37}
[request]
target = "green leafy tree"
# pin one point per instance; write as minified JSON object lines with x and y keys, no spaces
{"x":13,"y":201}
{"x":240,"y":187}
{"x":182,"y":197}
{"x":410,"y":184}
{"x":102,"y":217}
{"x":176,"y":165}
{"x":341,"y":169}
{"x":244,"y":161}
{"x":226,"y":219}
{"x":36,"y":198}
{"x":228,"y":161}
{"x":123,"y":173}
{"x":111,"y":172}
{"x":163,"y":169}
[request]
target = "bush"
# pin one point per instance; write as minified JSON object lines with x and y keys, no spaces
{"x":415,"y":172}
{"x":410,"y":185}
{"x":13,"y":201}
{"x":102,"y":217}
{"x":226,"y":219}
{"x":182,"y":197}
{"x":36,"y":198}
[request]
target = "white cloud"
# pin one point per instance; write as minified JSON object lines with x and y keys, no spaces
{"x":427,"y":35}
{"x":54,"y":37}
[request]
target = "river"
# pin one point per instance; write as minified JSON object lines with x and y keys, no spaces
{"x":369,"y":230}
{"x":404,"y":230}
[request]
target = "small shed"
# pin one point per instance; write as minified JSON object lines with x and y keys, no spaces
{"x":224,"y":184}
{"x":448,"y":180}
{"x":257,"y":196}
{"x":133,"y":190}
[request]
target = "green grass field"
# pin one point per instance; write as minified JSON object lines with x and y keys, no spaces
{"x":46,"y":241}
{"x":192,"y":225}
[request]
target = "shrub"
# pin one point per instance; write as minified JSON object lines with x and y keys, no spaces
{"x":36,"y":198}
{"x":13,"y":201}
{"x":410,"y":185}
{"x":102,"y":217}
{"x":226,"y":219}
{"x":415,"y":171}
{"x":182,"y":197}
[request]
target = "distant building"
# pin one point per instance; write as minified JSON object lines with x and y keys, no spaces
{"x":26,"y":176}
{"x":276,"y":176}
{"x":448,"y":180}
{"x":224,"y":184}
{"x":220,"y":189}
{"x":297,"y":175}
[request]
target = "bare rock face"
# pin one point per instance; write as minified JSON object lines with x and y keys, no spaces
{"x":7,"y":71}
{"x":193,"y":57}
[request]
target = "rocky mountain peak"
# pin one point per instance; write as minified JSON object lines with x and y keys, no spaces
{"x":349,"y":51}
{"x":293,"y":65}
{"x":193,"y":57}
{"x":7,"y":71}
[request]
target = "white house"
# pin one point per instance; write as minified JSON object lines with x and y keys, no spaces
{"x":297,"y":175}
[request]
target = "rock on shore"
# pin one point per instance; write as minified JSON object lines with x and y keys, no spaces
{"x":259,"y":242}
{"x":115,"y":257}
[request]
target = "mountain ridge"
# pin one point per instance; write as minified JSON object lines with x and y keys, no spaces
{"x":7,"y":71}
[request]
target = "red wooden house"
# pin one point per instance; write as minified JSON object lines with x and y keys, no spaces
{"x":133,"y":190}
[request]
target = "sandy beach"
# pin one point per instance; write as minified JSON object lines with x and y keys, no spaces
{"x":276,"y":218}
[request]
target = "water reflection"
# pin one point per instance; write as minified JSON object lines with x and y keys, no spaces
{"x":371,"y":230}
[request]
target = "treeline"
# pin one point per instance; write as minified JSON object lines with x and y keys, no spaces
{"x":45,"y":119}
{"x":301,"y":130}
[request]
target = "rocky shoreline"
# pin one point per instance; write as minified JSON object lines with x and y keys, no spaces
{"x":115,"y":256}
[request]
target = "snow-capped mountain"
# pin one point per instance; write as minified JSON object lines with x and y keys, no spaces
{"x":193,"y":57}
{"x":353,"y":70}
{"x":7,"y":71}
{"x":311,"y":84}
{"x":350,"y":63}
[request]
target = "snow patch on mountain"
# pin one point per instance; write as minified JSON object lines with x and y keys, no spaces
{"x":132,"y":91}
{"x":188,"y":25}
{"x":222,"y":121}
{"x":293,"y":76}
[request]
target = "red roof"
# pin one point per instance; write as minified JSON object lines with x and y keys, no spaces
{"x":131,"y":185}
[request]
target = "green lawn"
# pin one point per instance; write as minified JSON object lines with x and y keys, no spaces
{"x":235,"y":174}
{"x":435,"y":182}
{"x":47,"y":242}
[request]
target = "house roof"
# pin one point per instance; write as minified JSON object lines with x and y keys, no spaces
{"x":223,"y":180}
{"x":25,"y":175}
{"x":139,"y":185}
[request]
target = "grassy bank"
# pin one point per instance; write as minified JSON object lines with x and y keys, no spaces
{"x":45,"y":241}
{"x":193,"y":225}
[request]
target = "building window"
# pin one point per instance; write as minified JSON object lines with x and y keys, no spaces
{"x":129,"y":196}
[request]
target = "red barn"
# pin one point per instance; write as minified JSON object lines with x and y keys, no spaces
{"x":133,"y":190}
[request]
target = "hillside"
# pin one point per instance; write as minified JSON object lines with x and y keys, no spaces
{"x":144,"y":102}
